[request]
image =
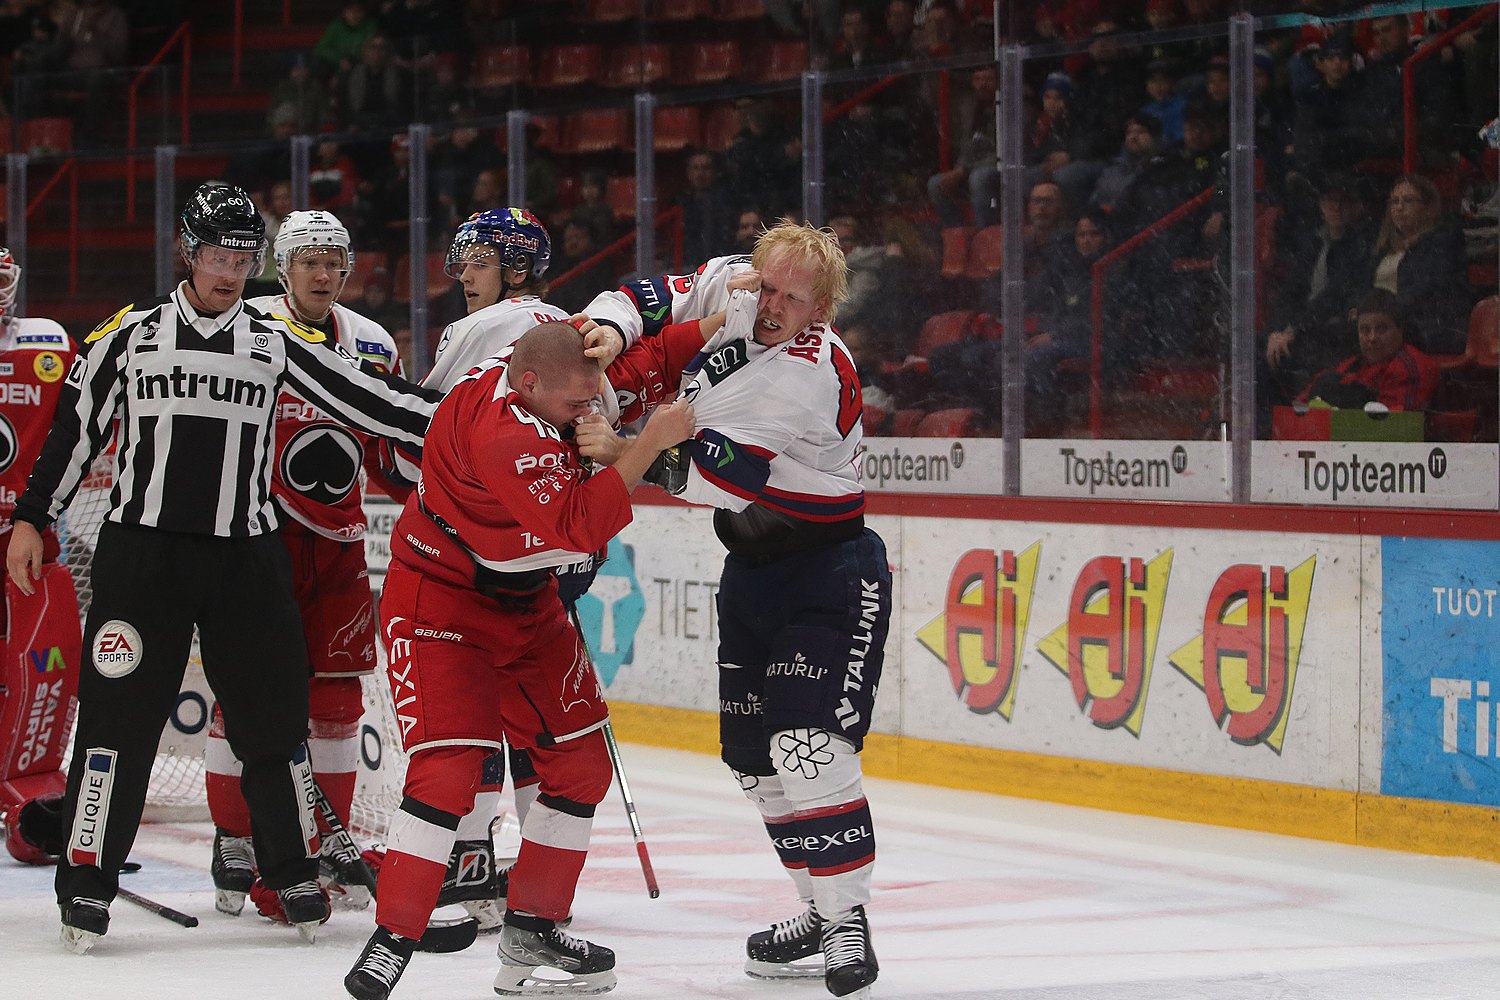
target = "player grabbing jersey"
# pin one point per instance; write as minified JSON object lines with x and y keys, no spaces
{"x":805,"y":595}
{"x":42,"y":636}
{"x":500,"y":257}
{"x":481,"y":649}
{"x":316,"y":486}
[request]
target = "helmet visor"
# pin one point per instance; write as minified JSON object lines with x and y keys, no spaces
{"x":467,"y":249}
{"x":221,"y":263}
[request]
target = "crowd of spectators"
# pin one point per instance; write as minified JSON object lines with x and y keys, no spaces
{"x":1116,"y":134}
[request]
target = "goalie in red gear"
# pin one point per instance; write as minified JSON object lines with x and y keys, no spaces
{"x":481,"y":649}
{"x":43,"y":637}
{"x":316,"y":485}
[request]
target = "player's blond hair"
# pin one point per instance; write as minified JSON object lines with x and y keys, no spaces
{"x":818,"y":247}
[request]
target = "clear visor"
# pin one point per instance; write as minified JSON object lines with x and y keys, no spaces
{"x":221,"y":263}
{"x":467,"y":250}
{"x":320,"y":260}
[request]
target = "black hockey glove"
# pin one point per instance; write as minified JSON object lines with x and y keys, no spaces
{"x":670,"y":470}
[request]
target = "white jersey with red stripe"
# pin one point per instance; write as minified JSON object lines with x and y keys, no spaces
{"x":35,"y":355}
{"x":484,"y":334}
{"x":779,"y":426}
{"x":315,"y":478}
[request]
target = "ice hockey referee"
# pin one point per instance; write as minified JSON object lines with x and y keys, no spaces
{"x":189,"y":384}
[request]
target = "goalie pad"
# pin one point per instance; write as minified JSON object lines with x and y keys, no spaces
{"x":34,"y":831}
{"x":43,"y":654}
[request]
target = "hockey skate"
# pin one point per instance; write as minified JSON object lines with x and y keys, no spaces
{"x":84,"y":922}
{"x":778,"y":951}
{"x":851,"y":965}
{"x":345,"y":890}
{"x":569,"y":966}
{"x":473,"y":882}
{"x":380,"y":966}
{"x":233,"y":872}
{"x":306,"y":908}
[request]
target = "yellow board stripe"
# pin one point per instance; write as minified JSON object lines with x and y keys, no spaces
{"x":1369,"y":820}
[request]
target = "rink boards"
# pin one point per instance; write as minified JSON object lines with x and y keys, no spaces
{"x":1314,"y":672}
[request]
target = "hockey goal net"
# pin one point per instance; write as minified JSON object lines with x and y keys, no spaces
{"x":177,"y":790}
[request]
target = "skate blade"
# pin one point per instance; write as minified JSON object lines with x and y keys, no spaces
{"x":349,"y":897}
{"x":77,"y":941}
{"x":783,"y":970}
{"x":486,"y":913}
{"x":308,"y":930}
{"x":229,"y":901}
{"x":544,"y":980}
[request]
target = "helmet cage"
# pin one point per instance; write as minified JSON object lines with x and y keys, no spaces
{"x":10,"y":281}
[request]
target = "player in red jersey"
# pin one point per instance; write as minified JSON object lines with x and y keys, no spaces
{"x":481,"y":648}
{"x":43,"y":637}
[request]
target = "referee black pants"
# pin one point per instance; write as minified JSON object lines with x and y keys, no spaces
{"x":150,"y":588}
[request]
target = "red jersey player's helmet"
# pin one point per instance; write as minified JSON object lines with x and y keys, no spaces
{"x":509,"y":237}
{"x":10,"y":281}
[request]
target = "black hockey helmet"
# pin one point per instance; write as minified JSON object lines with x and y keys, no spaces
{"x":222,"y":215}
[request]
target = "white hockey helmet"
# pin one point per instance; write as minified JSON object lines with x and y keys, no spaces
{"x":10,"y":281}
{"x":315,"y":230}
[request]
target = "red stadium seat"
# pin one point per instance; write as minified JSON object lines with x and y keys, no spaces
{"x":874,"y":419}
{"x":740,"y":10}
{"x":956,"y":250}
{"x":703,"y":63}
{"x":620,"y":196}
{"x":985,"y":254}
{"x":437,"y":280}
{"x":681,"y":10}
{"x":721,"y":127}
{"x":499,"y":66}
{"x":637,"y":65}
{"x":596,"y":131}
{"x":944,"y":328}
{"x":907,"y":421}
{"x":365,"y":262}
{"x":677,"y":128}
{"x":609,"y":11}
{"x":782,"y":61}
{"x":40,"y":136}
{"x":1455,"y":425}
{"x":567,"y":66}
{"x":957,"y":422}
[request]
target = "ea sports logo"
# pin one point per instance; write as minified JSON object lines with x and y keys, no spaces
{"x":322,"y":463}
{"x":8,"y":444}
{"x":117,"y":648}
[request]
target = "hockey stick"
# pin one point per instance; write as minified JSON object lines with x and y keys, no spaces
{"x":619,"y":766}
{"x":441,"y":936}
{"x":176,"y":916}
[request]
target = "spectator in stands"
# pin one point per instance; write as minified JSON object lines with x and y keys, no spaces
{"x":488,"y":192}
{"x":420,"y":31}
{"x":343,"y":40}
{"x":377,"y":93}
{"x":1419,"y":258}
{"x":1333,"y":128}
{"x":1215,"y":95}
{"x":387,"y":204}
{"x":1047,"y":221}
{"x":707,"y":211}
{"x":41,"y":54}
{"x":764,"y":163}
{"x":973,"y":180}
{"x":1106,"y":92}
{"x":1063,"y":305}
{"x":457,"y":161}
{"x":748,"y":230}
{"x":857,"y":46}
{"x":1323,"y":267}
{"x":274,"y":208}
{"x":1274,"y":120}
{"x":579,"y":243}
{"x":1164,"y":103}
{"x":96,"y":38}
{"x":1387,"y":369}
{"x":938,"y":33}
{"x":304,"y":95}
{"x":1053,"y":133}
{"x":332,"y":179}
{"x":445,"y":97}
{"x":376,"y":304}
{"x":1436,"y":87}
{"x":814,"y":19}
{"x":900,"y":30}
{"x":593,"y":208}
{"x":1142,"y":134}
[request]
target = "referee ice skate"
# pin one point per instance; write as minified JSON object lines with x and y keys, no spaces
{"x":191,"y":379}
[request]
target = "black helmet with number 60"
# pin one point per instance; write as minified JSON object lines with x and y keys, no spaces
{"x":222,"y":215}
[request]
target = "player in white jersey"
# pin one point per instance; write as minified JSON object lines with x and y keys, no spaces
{"x":804,"y":600}
{"x":500,"y":257}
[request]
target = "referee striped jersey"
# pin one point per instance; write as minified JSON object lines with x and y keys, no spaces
{"x":195,"y":399}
